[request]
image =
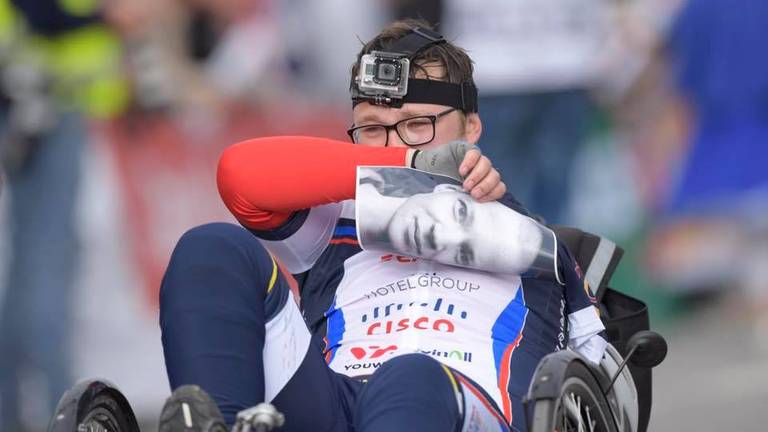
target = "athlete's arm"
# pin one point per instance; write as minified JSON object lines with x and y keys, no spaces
{"x":584,"y":325}
{"x":264,"y":181}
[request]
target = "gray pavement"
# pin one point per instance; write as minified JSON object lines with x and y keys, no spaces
{"x":715,"y":377}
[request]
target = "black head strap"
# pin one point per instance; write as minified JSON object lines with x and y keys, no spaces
{"x":461,"y":96}
{"x":415,"y":41}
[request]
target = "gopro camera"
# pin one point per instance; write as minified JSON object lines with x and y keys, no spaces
{"x":383,"y":74}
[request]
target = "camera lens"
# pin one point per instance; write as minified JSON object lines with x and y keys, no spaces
{"x":387,"y":73}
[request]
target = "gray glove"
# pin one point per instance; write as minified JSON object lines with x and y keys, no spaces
{"x":444,"y":160}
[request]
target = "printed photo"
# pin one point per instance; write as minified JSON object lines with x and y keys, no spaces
{"x":414,"y":213}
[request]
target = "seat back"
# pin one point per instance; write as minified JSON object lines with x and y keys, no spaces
{"x":597,"y":256}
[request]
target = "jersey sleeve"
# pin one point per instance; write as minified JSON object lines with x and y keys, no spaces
{"x":288,"y":190}
{"x":584,"y":323}
{"x":300,"y":242}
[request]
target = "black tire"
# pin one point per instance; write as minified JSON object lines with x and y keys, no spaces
{"x":580,"y":400}
{"x":104,"y":413}
{"x":93,"y":406}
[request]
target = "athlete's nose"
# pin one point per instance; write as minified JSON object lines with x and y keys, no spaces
{"x":393,"y":139}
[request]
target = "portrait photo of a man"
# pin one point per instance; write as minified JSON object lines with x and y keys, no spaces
{"x":424,"y":215}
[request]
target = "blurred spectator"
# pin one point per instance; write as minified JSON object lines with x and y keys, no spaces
{"x":246,"y":56}
{"x":163,"y":67}
{"x":200,"y":61}
{"x":203,"y":60}
{"x":321,"y":40}
{"x":721,"y":71}
{"x":715,"y":232}
{"x":57,"y":62}
{"x":536,"y":62}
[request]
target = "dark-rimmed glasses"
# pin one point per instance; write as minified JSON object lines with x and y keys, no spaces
{"x":412,"y":131}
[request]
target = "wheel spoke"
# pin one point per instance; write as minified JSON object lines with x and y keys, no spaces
{"x":581,"y":420}
{"x":578,"y":409}
{"x":590,"y":422}
{"x":99,"y":420}
{"x":576,"y":414}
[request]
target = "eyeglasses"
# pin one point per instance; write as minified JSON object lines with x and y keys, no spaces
{"x":412,"y":131}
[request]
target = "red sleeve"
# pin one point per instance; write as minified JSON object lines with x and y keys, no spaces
{"x":263,"y":181}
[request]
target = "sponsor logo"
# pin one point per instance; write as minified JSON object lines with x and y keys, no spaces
{"x":561,"y":333}
{"x":438,"y":306}
{"x":443,"y":325}
{"x":422,"y":323}
{"x":464,"y":356}
{"x":380,"y":354}
{"x":587,"y":288}
{"x":426,"y":280}
{"x":398,"y":258}
{"x":375,"y":351}
{"x":358,"y":366}
{"x":371,"y":352}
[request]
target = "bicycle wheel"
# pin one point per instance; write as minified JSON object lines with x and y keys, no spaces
{"x":581,"y":406}
{"x":105,"y":415}
{"x":93,"y":406}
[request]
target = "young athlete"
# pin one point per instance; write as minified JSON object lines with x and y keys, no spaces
{"x":379,"y":341}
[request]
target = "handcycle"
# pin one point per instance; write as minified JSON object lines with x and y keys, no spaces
{"x":567,"y":393}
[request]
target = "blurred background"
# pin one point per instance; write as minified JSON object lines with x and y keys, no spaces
{"x":645,"y":121}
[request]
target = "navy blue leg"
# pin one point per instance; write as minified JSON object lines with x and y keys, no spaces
{"x":214,"y":310}
{"x":409,"y":392}
{"x":316,"y":398}
{"x":212,"y":315}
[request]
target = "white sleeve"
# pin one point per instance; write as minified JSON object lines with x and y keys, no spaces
{"x":592,"y":349}
{"x":583,"y":323}
{"x":300,"y":247}
{"x":583,"y":328}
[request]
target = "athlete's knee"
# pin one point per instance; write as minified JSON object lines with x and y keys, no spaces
{"x":411,"y":365}
{"x":202,"y":242}
{"x":217,"y":256}
{"x":415,"y":374}
{"x":410,"y":389}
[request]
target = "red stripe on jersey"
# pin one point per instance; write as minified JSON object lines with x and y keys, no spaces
{"x":345,"y":241}
{"x":504,"y":377}
{"x":328,"y":353}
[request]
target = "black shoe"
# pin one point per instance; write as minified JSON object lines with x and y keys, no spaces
{"x":189,"y":408}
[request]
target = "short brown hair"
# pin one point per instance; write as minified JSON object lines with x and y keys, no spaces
{"x":457,"y":64}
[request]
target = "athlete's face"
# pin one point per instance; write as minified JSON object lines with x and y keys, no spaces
{"x":447,"y":128}
{"x":450,"y":127}
{"x":449,"y":226}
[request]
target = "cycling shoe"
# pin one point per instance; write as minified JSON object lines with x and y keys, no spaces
{"x":190,"y":409}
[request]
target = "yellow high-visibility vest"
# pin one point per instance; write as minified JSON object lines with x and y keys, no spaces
{"x":85,"y":63}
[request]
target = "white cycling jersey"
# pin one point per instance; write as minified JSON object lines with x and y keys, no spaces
{"x":492,"y":327}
